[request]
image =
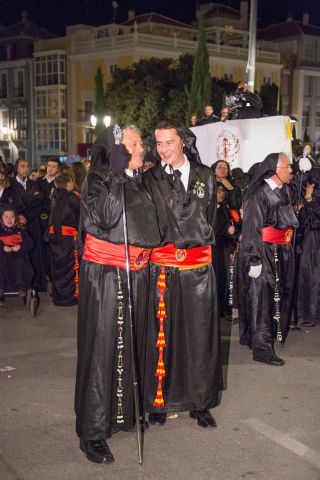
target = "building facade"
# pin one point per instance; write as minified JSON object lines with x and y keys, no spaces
{"x":16,"y":89}
{"x":299,"y":45}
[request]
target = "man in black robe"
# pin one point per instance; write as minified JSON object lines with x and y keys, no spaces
{"x":104,"y":392}
{"x":63,"y":241}
{"x":183,"y":347}
{"x":27,"y":193}
{"x":46,"y":185}
{"x":267,"y":257}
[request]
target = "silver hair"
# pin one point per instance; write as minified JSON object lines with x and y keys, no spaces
{"x":131,"y":126}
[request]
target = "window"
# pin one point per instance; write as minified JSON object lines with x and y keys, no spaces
{"x":51,"y":138}
{"x":87,"y":110}
{"x":317,"y":119}
{"x":317,"y":86}
{"x":305,"y":117}
{"x":51,"y":104}
{"x":18,"y":122}
{"x":19,"y":83}
{"x":306,"y":86}
{"x":112,"y":67}
{"x":51,"y":70}
{"x":3,"y":85}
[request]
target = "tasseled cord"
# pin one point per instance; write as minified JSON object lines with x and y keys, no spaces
{"x":76,"y":266}
{"x":276,"y":316}
{"x":161,"y":341}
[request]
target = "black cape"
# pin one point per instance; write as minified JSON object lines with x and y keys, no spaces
{"x":192,"y":356}
{"x":66,"y":212}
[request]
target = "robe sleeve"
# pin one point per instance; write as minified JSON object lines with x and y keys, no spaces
{"x":253,"y":222}
{"x":103,"y":199}
{"x":310,"y":215}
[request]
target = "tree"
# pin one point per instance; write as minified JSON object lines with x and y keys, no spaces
{"x":200,"y":93}
{"x":149,"y":91}
{"x":99,"y":107}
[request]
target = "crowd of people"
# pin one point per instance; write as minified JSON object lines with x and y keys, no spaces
{"x":203,"y":244}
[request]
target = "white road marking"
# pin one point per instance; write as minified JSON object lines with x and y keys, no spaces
{"x":285,"y":441}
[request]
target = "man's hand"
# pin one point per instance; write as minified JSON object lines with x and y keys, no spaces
{"x":22,"y":219}
{"x":255,"y":271}
{"x":309,"y":192}
{"x":226,"y":183}
{"x":16,"y":248}
{"x":119,"y":159}
{"x":7,"y":249}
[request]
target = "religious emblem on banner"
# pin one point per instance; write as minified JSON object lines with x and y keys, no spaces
{"x":228,"y":146}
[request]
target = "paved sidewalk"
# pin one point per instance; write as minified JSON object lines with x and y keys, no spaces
{"x":268,"y":420}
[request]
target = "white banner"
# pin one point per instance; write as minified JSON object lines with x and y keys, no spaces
{"x":243,"y":142}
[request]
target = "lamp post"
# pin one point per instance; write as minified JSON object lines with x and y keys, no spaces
{"x":95,"y":120}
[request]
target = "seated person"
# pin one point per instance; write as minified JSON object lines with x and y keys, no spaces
{"x":15,"y":268}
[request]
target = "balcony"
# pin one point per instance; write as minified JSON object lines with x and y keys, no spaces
{"x":87,"y":41}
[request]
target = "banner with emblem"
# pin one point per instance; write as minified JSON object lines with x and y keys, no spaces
{"x":243,"y":142}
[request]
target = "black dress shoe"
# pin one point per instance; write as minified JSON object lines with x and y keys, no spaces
{"x":97,"y":451}
{"x":269,"y":358}
{"x":203,"y":417}
{"x":157,"y":418}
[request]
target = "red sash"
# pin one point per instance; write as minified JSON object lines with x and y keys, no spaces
{"x":106,"y":253}
{"x":11,"y":240}
{"x":275,"y":235}
{"x":68,"y":231}
{"x":184,"y":259}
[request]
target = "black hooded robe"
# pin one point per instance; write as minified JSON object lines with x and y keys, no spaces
{"x":64,"y":248}
{"x":97,"y":376}
{"x":192,"y":334}
{"x":266,"y":207}
{"x":308,"y":292}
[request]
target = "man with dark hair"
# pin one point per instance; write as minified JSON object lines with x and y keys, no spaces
{"x":183,"y":347}
{"x":46,"y":185}
{"x":268,"y":259}
{"x":104,"y":391}
{"x":29,"y":194}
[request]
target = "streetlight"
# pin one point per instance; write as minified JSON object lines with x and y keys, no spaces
{"x":106,"y":120}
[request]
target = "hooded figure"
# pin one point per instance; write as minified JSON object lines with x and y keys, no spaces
{"x":183,"y":346}
{"x":104,"y":394}
{"x":308,"y":290}
{"x":268,"y":227}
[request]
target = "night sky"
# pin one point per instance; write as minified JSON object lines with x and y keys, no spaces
{"x":56,"y":14}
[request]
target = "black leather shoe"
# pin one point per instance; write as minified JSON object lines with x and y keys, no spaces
{"x":203,"y":417}
{"x":97,"y":451}
{"x":157,"y":418}
{"x":269,"y":358}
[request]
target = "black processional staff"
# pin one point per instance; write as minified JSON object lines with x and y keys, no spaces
{"x":117,"y":132}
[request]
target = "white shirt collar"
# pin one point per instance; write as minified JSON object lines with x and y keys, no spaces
{"x":184,"y":169}
{"x":128,"y":172}
{"x":22,"y":182}
{"x":272,"y":184}
{"x":1,"y":191}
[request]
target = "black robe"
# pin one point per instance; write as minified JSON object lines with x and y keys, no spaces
{"x":192,"y":355}
{"x":308,"y":296}
{"x":97,"y":377}
{"x":31,"y":199}
{"x":46,"y":191}
{"x":267,"y":207}
{"x":224,"y":247}
{"x":66,"y":212}
{"x":15,"y":268}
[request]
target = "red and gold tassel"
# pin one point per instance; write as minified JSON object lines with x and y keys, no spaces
{"x":76,"y":267}
{"x":161,"y":341}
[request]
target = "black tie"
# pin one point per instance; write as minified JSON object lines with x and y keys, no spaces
{"x":179,"y":187}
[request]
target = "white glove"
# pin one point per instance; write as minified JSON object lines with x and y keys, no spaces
{"x":255,"y":271}
{"x":304,"y":164}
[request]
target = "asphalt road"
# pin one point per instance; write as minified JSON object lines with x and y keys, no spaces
{"x":268,"y":419}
